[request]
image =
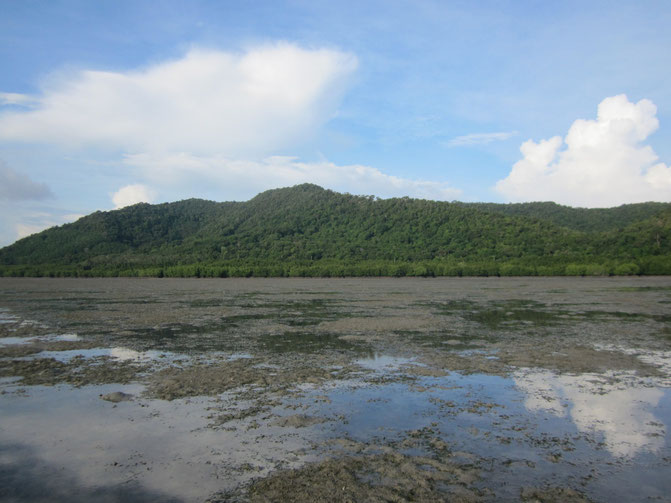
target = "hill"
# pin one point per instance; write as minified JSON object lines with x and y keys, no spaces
{"x":307,"y":230}
{"x":581,"y":219}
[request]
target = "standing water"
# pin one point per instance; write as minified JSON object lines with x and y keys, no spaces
{"x":487,"y":389}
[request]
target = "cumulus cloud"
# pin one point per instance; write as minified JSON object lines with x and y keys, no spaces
{"x":15,"y":186}
{"x":599,"y":163}
{"x":248,"y":177}
{"x":479,"y":138}
{"x":207,"y":101}
{"x":132,"y":194}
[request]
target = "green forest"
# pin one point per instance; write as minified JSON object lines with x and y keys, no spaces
{"x":309,"y":231}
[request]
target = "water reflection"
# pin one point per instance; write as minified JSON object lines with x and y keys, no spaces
{"x":125,"y":354}
{"x":67,"y":337}
{"x":622,"y":414}
{"x":10,"y":341}
{"x":381,"y":362}
{"x":117,"y":353}
{"x":6,"y":317}
{"x":535,"y":429}
{"x":27,"y":477}
{"x":87,"y":446}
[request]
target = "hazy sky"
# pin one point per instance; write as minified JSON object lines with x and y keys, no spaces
{"x":110,"y":102}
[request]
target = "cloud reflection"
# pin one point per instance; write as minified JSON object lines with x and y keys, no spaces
{"x":622,"y":414}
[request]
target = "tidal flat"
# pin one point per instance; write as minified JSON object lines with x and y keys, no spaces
{"x":408,"y":389}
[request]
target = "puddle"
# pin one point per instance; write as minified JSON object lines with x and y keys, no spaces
{"x":116,"y":353}
{"x":626,"y":417}
{"x":67,"y":337}
{"x":6,"y":341}
{"x":7,"y":317}
{"x":240,"y":356}
{"x":383,"y":363}
{"x":537,"y":423}
{"x":160,"y":449}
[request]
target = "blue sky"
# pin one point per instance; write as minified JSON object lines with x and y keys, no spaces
{"x":107,"y":103}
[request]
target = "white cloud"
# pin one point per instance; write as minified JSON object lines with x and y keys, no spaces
{"x":479,"y":138}
{"x":604,"y":162}
{"x":245,"y":178}
{"x":25,"y":230}
{"x":15,"y":186}
{"x":17,"y":221}
{"x":132,"y":194}
{"x":73,"y":217}
{"x":208,"y":101}
{"x":16,"y":99}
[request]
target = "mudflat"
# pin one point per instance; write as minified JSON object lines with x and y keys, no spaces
{"x":408,"y":389}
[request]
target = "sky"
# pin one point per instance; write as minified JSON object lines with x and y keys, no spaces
{"x":108,"y":103}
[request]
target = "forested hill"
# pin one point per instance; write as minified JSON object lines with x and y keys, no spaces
{"x":581,"y":219}
{"x":306,"y":230}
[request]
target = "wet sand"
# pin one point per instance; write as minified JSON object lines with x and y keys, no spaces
{"x":533,"y":389}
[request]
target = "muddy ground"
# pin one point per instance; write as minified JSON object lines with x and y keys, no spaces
{"x":534,"y":389}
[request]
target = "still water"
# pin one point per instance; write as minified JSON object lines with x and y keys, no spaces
{"x":488,"y":389}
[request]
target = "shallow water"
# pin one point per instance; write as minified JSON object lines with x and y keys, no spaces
{"x":474,"y":389}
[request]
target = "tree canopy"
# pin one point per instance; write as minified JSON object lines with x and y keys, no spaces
{"x":306,"y":230}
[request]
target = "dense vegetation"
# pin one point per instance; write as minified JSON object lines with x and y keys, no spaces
{"x":308,"y":231}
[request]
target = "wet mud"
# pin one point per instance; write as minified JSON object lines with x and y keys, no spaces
{"x":497,"y":389}
{"x":78,"y":371}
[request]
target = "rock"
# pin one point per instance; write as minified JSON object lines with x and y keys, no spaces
{"x":117,"y":396}
{"x":298,"y":421}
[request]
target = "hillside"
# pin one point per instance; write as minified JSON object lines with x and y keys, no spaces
{"x":581,"y":219}
{"x":306,"y":230}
